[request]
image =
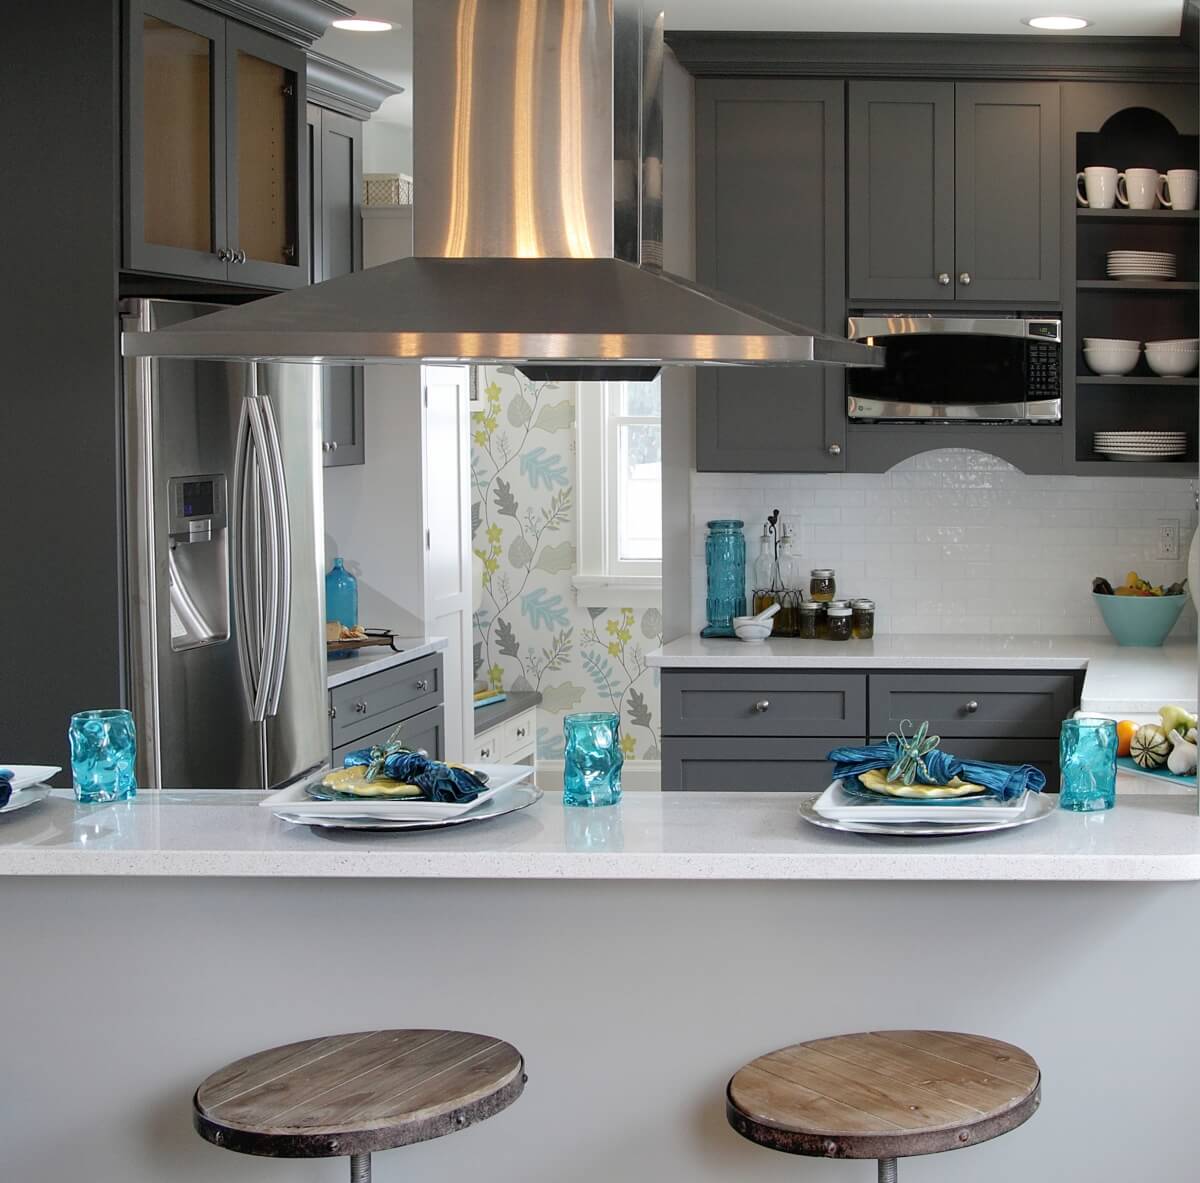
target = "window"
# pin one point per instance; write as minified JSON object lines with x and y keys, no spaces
{"x":619,"y":457}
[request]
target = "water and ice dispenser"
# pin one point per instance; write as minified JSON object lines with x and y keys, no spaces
{"x":198,"y":560}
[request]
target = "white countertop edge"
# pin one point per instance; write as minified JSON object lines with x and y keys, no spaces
{"x":350,"y":669}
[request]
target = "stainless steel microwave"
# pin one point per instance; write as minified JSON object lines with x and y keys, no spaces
{"x":985,"y":369}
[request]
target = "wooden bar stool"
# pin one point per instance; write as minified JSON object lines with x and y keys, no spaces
{"x":884,"y":1095}
{"x":350,"y":1095}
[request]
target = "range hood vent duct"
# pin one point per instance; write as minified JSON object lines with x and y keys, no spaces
{"x":537,"y":220}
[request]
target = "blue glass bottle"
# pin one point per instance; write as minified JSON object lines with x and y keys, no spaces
{"x":341,"y":596}
{"x":725,"y":555}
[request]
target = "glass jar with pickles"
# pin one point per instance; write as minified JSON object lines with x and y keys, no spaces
{"x":862,"y":619}
{"x":837,"y":620}
{"x":822,"y":585}
{"x":808,"y":617}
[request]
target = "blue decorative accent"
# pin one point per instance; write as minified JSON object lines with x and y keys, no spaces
{"x":341,"y":596}
{"x":103,"y":755}
{"x":725,"y":556}
{"x":1087,"y":755}
{"x":548,"y":470}
{"x":593,"y":759}
{"x":544,"y":612}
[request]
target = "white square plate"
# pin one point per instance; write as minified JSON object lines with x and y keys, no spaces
{"x":295,"y":800}
{"x":25,"y":776}
{"x":838,"y":805}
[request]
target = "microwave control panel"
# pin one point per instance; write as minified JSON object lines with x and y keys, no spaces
{"x":1043,"y":370}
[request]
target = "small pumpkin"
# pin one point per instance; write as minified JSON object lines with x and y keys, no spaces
{"x":1149,"y":747}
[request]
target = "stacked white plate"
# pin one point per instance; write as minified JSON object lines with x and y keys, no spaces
{"x":1140,"y":445}
{"x":1141,"y":265}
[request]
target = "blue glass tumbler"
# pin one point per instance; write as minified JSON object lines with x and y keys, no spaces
{"x":1087,"y":755}
{"x":592,"y":759}
{"x":103,"y":755}
{"x":725,"y":557}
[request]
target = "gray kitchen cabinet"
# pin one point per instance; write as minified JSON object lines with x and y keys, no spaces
{"x":770,"y":230}
{"x":368,"y":710}
{"x":335,"y":231}
{"x":714,"y":738}
{"x":900,"y":180}
{"x":954,"y":191}
{"x":213,"y":148}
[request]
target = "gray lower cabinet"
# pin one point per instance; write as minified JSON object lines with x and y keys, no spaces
{"x":770,"y":230}
{"x":335,"y":231}
{"x":770,"y":730}
{"x":954,"y":191}
{"x":367,"y":711}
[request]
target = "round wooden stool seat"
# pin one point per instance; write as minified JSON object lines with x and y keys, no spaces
{"x":354,"y":1094}
{"x":883,"y":1094}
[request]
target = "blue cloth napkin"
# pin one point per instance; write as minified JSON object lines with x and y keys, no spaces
{"x":437,"y":781}
{"x":1005,"y":781}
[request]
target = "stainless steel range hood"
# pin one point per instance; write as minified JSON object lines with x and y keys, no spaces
{"x":537,"y":220}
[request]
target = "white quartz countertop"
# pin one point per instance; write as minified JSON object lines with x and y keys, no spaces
{"x":650,"y":835}
{"x":1120,"y":680}
{"x":376,"y":658}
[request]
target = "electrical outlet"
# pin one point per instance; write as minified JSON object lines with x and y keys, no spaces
{"x":1168,"y":538}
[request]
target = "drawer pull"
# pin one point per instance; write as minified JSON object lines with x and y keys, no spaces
{"x":423,"y":684}
{"x":762,"y":706}
{"x":485,"y":753}
{"x":971,"y":707}
{"x":423,"y":752}
{"x":522,"y":732}
{"x":360,"y":708}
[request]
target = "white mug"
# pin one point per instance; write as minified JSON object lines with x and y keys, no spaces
{"x":1099,"y":187}
{"x":1177,"y":190}
{"x":1138,"y":187}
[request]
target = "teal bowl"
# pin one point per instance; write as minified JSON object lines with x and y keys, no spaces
{"x":1140,"y":620}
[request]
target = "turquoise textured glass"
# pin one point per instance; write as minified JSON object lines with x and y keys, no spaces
{"x":103,"y":755}
{"x":341,"y":596}
{"x":592,"y":759}
{"x":1087,"y":755}
{"x":725,"y":557}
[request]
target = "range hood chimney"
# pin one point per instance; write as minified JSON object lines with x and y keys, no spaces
{"x":537,"y":220}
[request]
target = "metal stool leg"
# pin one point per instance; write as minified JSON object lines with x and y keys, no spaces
{"x":360,"y":1168}
{"x":887,"y":1170}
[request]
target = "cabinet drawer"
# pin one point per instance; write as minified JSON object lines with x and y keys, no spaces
{"x":488,"y":748}
{"x":770,"y":703}
{"x":365,"y":706}
{"x":1041,"y":753}
{"x":519,"y":735}
{"x":422,"y":732}
{"x":973,"y":705}
{"x":768,"y":765}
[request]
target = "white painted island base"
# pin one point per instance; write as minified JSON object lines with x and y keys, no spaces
{"x":633,"y":1000}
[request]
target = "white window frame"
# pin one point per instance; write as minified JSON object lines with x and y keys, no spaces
{"x":603,"y":579}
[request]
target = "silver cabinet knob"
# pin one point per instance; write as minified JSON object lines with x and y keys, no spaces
{"x":834,"y":449}
{"x":965,"y":278}
{"x":333,"y":712}
{"x":762,"y":706}
{"x":225,"y":256}
{"x":522,"y":732}
{"x":423,"y":752}
{"x":239,"y":256}
{"x":360,"y":708}
{"x":944,"y":278}
{"x":333,"y":445}
{"x":324,"y":445}
{"x":485,"y":753}
{"x":971,"y":707}
{"x":423,"y":684}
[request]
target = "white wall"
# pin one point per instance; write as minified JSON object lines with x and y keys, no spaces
{"x":387,"y":147}
{"x":959,"y":541}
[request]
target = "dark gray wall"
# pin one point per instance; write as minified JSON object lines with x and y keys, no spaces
{"x":60,"y":582}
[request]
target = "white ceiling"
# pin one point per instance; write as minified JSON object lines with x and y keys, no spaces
{"x":389,"y":55}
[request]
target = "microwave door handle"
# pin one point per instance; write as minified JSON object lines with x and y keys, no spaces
{"x":283,"y":551}
{"x":268,"y":529}
{"x":861,"y":327}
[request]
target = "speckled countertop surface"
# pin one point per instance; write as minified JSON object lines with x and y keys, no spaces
{"x":685,"y":836}
{"x":375,"y":658}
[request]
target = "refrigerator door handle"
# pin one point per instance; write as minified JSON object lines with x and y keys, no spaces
{"x":270,"y":519}
{"x":278,"y":483}
{"x":240,"y":544}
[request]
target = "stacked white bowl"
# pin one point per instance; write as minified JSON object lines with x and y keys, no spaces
{"x":1110,"y":358}
{"x":1175,"y":358}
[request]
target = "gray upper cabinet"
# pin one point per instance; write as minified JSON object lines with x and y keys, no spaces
{"x":770,"y":229}
{"x":954,"y":191}
{"x":335,"y":228}
{"x":901,"y":190}
{"x":213,"y":148}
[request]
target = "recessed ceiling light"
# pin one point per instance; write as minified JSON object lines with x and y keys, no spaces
{"x":1059,"y":24}
{"x":359,"y":24}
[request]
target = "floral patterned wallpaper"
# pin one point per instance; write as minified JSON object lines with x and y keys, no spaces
{"x":529,"y":632}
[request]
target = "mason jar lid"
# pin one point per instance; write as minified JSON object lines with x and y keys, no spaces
{"x":837,"y":608}
{"x":725,"y":524}
{"x":866,"y":604}
{"x":822,"y":572}
{"x":837,"y":604}
{"x":811,"y":606}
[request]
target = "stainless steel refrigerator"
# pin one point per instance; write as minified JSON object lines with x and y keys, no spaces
{"x":224,"y":521}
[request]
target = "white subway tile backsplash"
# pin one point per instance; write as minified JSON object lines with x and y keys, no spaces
{"x":958,"y":541}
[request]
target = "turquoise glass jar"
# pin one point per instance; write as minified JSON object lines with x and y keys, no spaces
{"x":341,"y":596}
{"x":592,"y":759}
{"x":725,"y":557}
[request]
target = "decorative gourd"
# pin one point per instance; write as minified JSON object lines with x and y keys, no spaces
{"x":1149,"y":747}
{"x":1182,"y":760}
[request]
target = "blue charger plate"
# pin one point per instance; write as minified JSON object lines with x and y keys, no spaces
{"x":1128,"y":764}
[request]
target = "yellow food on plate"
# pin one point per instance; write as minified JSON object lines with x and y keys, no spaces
{"x":876,"y":780}
{"x":354,"y":780}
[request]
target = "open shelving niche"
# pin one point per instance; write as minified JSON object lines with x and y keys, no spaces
{"x":1136,"y":137}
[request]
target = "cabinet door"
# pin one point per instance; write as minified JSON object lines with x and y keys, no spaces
{"x":1007,"y":191}
{"x":174,"y":162}
{"x":770,"y":197}
{"x":901,"y":191}
{"x":311,"y":173}
{"x":722,"y":765}
{"x":268,"y":199}
{"x":340,"y":163}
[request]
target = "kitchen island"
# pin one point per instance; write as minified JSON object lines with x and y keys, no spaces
{"x":637,"y":956}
